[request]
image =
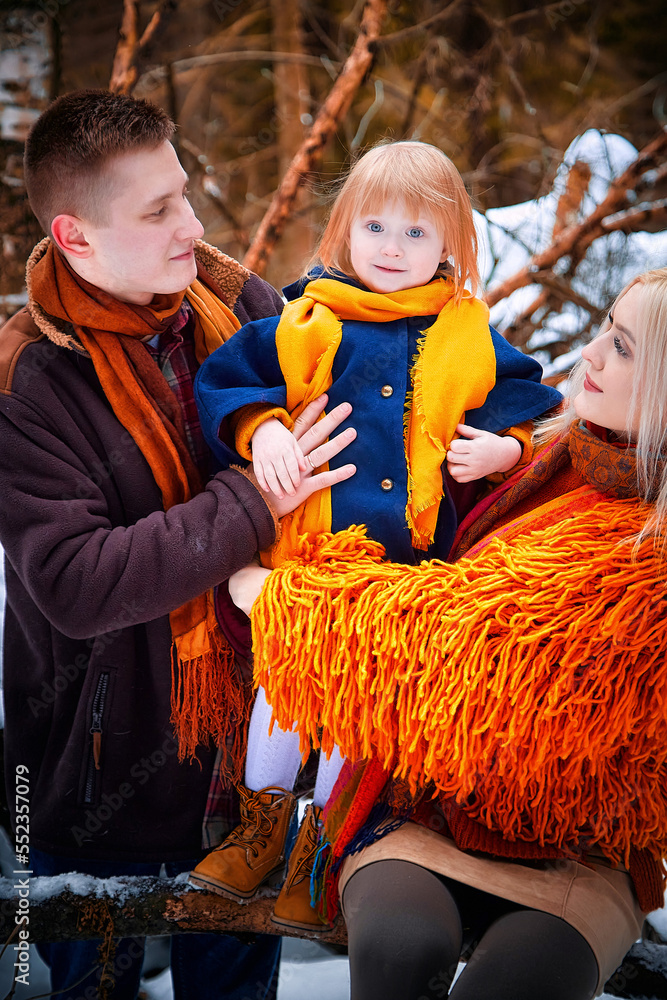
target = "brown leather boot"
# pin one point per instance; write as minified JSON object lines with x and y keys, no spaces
{"x":254,"y":850}
{"x":293,"y":907}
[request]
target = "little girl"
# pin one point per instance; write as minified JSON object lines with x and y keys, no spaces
{"x":384,"y":321}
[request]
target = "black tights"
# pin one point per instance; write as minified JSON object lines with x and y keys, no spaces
{"x":408,"y":927}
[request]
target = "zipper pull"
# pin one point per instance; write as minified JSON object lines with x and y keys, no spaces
{"x":97,"y":746}
{"x":97,"y":749}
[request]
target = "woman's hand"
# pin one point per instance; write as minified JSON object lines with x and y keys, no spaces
{"x":310,"y":433}
{"x":246,"y":585}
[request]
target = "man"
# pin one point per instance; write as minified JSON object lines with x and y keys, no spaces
{"x":116,"y":533}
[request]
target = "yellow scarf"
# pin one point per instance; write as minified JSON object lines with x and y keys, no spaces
{"x":454,"y":371}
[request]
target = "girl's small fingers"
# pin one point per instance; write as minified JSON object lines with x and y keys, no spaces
{"x":290,"y":476}
{"x":466,"y":431}
{"x":261,"y":478}
{"x":273,"y":483}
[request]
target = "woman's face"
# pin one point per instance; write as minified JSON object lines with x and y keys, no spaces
{"x":607,"y":390}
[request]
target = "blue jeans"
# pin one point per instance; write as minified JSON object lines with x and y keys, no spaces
{"x":203,"y":966}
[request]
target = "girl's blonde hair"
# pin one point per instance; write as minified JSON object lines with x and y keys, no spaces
{"x":423,"y":178}
{"x":648,"y":401}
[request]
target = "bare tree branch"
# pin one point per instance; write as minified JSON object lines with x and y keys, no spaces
{"x":415,"y":29}
{"x":648,"y":217}
{"x":356,"y":67}
{"x":131,"y":50}
{"x":121,"y":74}
{"x":575,"y":240}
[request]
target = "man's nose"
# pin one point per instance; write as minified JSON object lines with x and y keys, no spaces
{"x":190,"y":227}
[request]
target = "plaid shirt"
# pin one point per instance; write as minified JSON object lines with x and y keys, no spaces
{"x":174,"y":353}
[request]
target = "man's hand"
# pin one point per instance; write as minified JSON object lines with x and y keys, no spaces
{"x":478,"y":453}
{"x":246,"y":584}
{"x":277,"y":459}
{"x":310,"y":433}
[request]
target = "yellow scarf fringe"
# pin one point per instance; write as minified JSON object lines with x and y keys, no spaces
{"x":530,"y":682}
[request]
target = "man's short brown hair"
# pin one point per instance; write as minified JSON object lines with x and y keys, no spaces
{"x":70,"y":147}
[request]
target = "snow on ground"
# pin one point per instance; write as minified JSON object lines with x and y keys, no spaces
{"x":307,"y":969}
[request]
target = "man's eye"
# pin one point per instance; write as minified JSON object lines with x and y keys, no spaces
{"x":415,"y":232}
{"x":160,"y":212}
{"x":375,"y":227}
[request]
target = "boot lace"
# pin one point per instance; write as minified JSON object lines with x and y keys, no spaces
{"x":257,"y":822}
{"x":303,"y":866}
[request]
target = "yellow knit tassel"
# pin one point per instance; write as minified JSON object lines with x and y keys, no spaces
{"x":529,"y":682}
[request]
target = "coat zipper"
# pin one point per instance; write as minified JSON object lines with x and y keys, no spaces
{"x":97,"y":713}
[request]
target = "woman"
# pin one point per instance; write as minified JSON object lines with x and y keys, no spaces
{"x":510,"y":806}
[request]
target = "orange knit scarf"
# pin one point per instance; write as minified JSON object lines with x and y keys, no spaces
{"x":206,"y":693}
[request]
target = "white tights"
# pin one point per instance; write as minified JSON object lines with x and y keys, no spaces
{"x":275,"y":760}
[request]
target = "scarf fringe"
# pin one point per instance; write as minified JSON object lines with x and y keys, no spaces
{"x":425,"y":491}
{"x":209,"y":699}
{"x":529,"y":683}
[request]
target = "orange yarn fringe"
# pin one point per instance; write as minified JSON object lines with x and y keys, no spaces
{"x":530,"y":682}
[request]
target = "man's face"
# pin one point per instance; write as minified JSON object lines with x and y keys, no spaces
{"x":147,"y":245}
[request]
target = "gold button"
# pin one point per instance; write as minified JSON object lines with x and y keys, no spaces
{"x":387,"y":390}
{"x":387,"y":484}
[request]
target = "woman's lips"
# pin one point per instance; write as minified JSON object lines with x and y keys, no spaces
{"x":590,"y":385}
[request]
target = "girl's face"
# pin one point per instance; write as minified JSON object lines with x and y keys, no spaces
{"x":391,"y":250}
{"x":607,"y":390}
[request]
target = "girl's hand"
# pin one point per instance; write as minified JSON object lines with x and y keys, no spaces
{"x":478,"y":453}
{"x":246,"y":585}
{"x":277,"y":459}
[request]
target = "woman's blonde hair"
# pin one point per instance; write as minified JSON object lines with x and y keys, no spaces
{"x":648,"y":401}
{"x":423,"y":178}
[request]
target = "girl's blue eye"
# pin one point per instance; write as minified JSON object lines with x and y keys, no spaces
{"x":415,"y":232}
{"x":375,"y":227}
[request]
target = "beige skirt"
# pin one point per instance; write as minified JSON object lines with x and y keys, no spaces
{"x":598,"y":901}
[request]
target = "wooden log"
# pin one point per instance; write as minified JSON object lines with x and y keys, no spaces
{"x":80,"y":907}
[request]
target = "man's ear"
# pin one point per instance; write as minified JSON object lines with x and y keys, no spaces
{"x":67,"y":232}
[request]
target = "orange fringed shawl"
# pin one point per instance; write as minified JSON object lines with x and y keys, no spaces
{"x":528,"y":683}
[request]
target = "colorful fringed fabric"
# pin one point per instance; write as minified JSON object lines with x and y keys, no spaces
{"x":528,"y":683}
